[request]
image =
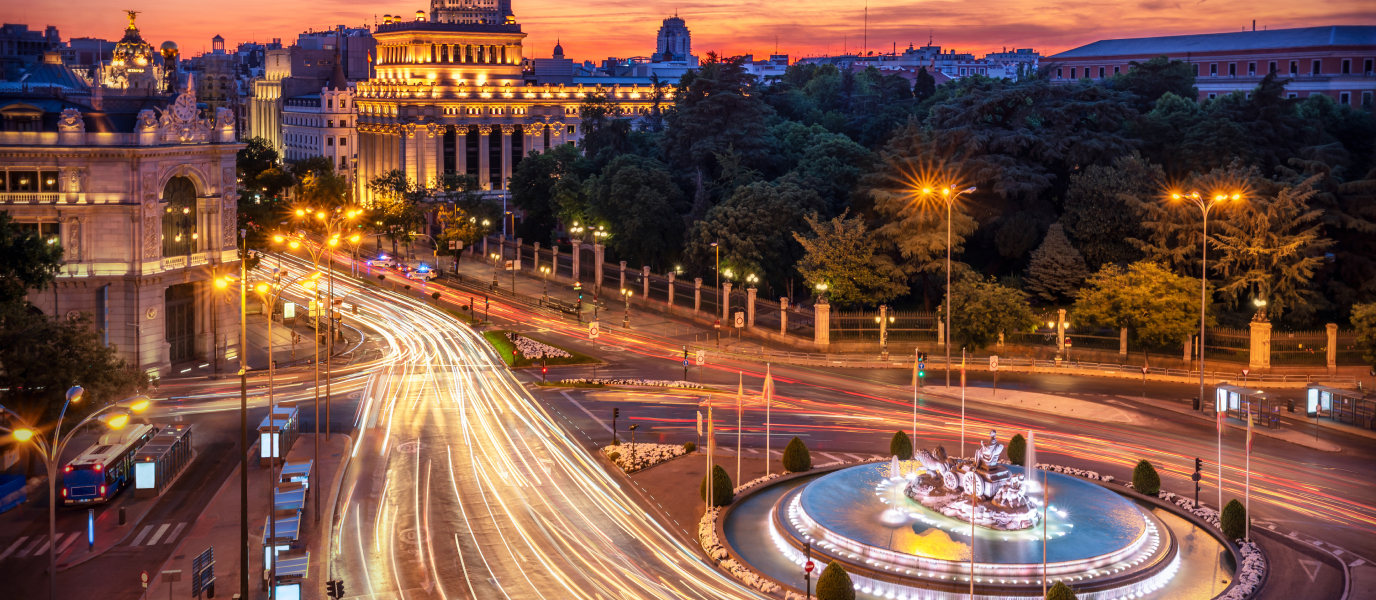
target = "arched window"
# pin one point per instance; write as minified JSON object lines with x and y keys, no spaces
{"x":179,"y":217}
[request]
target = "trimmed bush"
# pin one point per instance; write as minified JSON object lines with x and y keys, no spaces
{"x":616,"y":442}
{"x":796,"y":457}
{"x":436,"y":296}
{"x":1017,"y":450}
{"x":382,"y":278}
{"x":613,"y":456}
{"x":901,"y":446}
{"x":721,"y":487}
{"x":1233,"y":521}
{"x":690,"y":447}
{"x":1145,"y":479}
{"x":835,"y":584}
{"x":1060,"y":591}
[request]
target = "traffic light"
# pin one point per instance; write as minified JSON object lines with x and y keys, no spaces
{"x":332,"y":589}
{"x":1198,"y":466}
{"x":616,"y":412}
{"x":543,"y":371}
{"x":921,"y":369}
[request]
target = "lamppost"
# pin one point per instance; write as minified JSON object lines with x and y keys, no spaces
{"x":949,"y":195}
{"x":544,"y":274}
{"x":626,"y":318}
{"x":496,"y":259}
{"x":115,"y":416}
{"x":883,"y":334}
{"x":222,"y":283}
{"x":716,"y":250}
{"x":1205,"y":205}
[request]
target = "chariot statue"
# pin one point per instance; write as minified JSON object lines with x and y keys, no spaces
{"x":978,"y":489}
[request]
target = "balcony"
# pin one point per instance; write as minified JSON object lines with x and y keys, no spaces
{"x":28,"y":198}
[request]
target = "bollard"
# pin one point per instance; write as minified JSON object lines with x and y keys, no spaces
{"x":123,"y":519}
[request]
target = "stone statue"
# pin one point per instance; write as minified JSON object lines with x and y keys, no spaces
{"x":71,"y":121}
{"x":975,"y":489}
{"x":989,"y":455}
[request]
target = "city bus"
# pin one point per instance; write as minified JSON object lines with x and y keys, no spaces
{"x":105,"y":468}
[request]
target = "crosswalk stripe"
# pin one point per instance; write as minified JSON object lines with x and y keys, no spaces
{"x":12,"y":547}
{"x":175,"y":532}
{"x":832,"y":457}
{"x":44,"y":548}
{"x":66,"y":544}
{"x":27,"y":549}
{"x":856,"y":457}
{"x":142,"y":534}
{"x":775,"y":453}
{"x":752,"y":450}
{"x":159,"y":533}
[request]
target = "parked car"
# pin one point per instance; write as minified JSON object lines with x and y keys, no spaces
{"x":422,"y":273}
{"x":382,"y":260}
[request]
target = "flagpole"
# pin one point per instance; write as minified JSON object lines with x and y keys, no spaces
{"x":1046,"y":501}
{"x":962,"y":407}
{"x":1248,"y":496}
{"x":768,"y":395}
{"x":740,"y":387}
{"x":711,"y":445}
{"x":915,"y":353}
{"x":1222,"y":416}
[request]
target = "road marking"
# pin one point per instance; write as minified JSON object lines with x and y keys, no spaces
{"x":68,"y":543}
{"x":752,"y":450}
{"x":158,"y":534}
{"x":175,"y":532}
{"x":833,"y":458}
{"x":1357,"y":563}
{"x":27,"y":549}
{"x":1311,"y":567}
{"x":856,"y":457}
{"x":1337,"y":552}
{"x":775,"y":453}
{"x":44,"y":548}
{"x":10,"y":550}
{"x":142,"y":534}
{"x":580,"y":407}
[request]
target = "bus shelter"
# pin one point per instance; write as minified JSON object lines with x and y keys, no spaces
{"x":160,"y":460}
{"x":290,"y":496}
{"x":1344,"y":406}
{"x":1240,"y":401}
{"x":276,"y":434}
{"x":298,"y":472}
{"x":288,"y":530}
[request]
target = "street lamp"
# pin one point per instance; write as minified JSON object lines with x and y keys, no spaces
{"x":50,"y":450}
{"x":883,"y":334}
{"x":949,"y":194}
{"x":496,"y":258}
{"x":626,"y":319}
{"x":544,"y":274}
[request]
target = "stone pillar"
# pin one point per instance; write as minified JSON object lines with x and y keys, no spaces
{"x":597,"y":252}
{"x":822,"y":323}
{"x":430,"y":170}
{"x":461,"y":150}
{"x":623,"y":274}
{"x":528,"y":140}
{"x":409,"y":151}
{"x":671,"y":288}
{"x":554,"y":261}
{"x":783,"y":316}
{"x":1261,"y":345}
{"x":1060,"y":330}
{"x":501,"y":246}
{"x":940,"y":332}
{"x":883,"y":323}
{"x":516,"y":253}
{"x":535,"y":268}
{"x":484,"y":247}
{"x":484,"y":170}
{"x":1189,"y":348}
{"x":645,"y":279}
{"x":507,"y":130}
{"x":1332,"y":347}
{"x":750,"y":306}
{"x":697,"y":294}
{"x":726,"y":303}
{"x":1123,"y":341}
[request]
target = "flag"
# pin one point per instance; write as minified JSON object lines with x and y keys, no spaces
{"x":915,"y":361}
{"x":699,"y":422}
{"x":711,"y":433}
{"x":768,"y":390}
{"x":962,"y":371}
{"x":740,"y":392}
{"x":1030,"y":472}
{"x":1249,"y":433}
{"x":1222,"y":426}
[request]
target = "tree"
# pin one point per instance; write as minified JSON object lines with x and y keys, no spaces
{"x":1349,"y":219}
{"x":834,"y":583}
{"x":1151,"y":80}
{"x":1057,"y":268}
{"x":722,"y":490}
{"x":901,"y":446}
{"x":1017,"y":450}
{"x":1364,"y":320}
{"x":27,"y":262}
{"x":981,"y":310}
{"x":747,"y":227}
{"x":1145,"y":479}
{"x":261,"y":183}
{"x":534,"y":186}
{"x":637,"y":200}
{"x":1233,"y":521}
{"x":796,"y":458}
{"x":1098,"y":217}
{"x":840,"y":253}
{"x":924,"y":85}
{"x":717,"y":107}
{"x":1060,"y":591}
{"x":396,"y":205}
{"x":1272,"y":250}
{"x":1159,"y":308}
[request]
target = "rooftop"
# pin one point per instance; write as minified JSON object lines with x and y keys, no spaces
{"x":438,"y":26}
{"x":1332,"y":35}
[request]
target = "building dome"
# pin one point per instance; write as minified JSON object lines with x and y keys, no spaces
{"x":558,"y":49}
{"x":168,"y":45}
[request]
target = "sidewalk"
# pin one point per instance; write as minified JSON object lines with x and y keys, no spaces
{"x":218,"y":526}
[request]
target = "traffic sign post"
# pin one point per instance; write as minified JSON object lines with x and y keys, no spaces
{"x":994,"y":367}
{"x":594,"y":329}
{"x":1244,"y":376}
{"x":807,"y":570}
{"x":685,"y":363}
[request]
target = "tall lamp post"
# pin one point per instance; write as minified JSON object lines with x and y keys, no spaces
{"x":1205,"y":205}
{"x":115,"y":416}
{"x":626,"y":317}
{"x":544,"y":274}
{"x":949,"y":194}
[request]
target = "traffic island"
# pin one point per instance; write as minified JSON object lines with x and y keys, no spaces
{"x":519,"y":351}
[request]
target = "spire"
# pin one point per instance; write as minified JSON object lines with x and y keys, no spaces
{"x":337,"y":81}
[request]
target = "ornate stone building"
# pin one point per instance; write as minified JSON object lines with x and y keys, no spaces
{"x":135,"y":65}
{"x":452,"y":98}
{"x":323,"y":124}
{"x":141,"y":195}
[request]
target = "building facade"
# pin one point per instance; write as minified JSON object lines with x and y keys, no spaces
{"x":323,"y":124}
{"x":453,"y":98}
{"x":143,"y":202}
{"x":21,"y":48}
{"x":1337,"y":60}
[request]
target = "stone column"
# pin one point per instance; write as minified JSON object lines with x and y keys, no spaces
{"x":645,"y":279}
{"x":1189,"y":348}
{"x":430,"y":170}
{"x":697,"y":294}
{"x":535,"y":268}
{"x":671,"y":288}
{"x":726,"y":303}
{"x":1123,"y":341}
{"x":409,"y":151}
{"x":461,"y":150}
{"x":1332,"y":347}
{"x":535,"y":138}
{"x":623,"y":274}
{"x":554,"y":260}
{"x":598,"y":251}
{"x":484,"y":247}
{"x":883,"y":322}
{"x":577,"y":252}
{"x":783,"y":316}
{"x":501,"y":246}
{"x":940,"y":332}
{"x":1060,"y":330}
{"x":516,"y":253}
{"x":822,"y":323}
{"x":1260,"y":357}
{"x":750,"y":306}
{"x":484,"y":169}
{"x":507,"y":130}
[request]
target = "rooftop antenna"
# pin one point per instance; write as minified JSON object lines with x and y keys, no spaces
{"x":866,"y":46}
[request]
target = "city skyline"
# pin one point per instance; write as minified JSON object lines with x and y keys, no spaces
{"x":587,"y":33}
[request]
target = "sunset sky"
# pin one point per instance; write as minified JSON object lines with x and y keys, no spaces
{"x":597,"y":29}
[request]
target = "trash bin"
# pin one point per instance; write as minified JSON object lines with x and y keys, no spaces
{"x":1290,"y":405}
{"x":1196,"y":402}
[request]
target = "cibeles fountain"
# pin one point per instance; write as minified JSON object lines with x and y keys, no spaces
{"x":902,"y":529}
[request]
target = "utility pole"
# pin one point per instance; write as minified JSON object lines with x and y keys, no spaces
{"x":243,"y":416}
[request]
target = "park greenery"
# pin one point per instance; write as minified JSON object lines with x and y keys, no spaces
{"x":722,"y":490}
{"x":1145,"y":479}
{"x":796,"y":458}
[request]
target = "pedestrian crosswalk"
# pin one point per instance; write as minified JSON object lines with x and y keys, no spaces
{"x":39,"y":545}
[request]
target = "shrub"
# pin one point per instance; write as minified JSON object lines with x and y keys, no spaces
{"x":721,"y":487}
{"x":614,"y":455}
{"x":382,"y":278}
{"x":834,"y":584}
{"x":1233,"y":521}
{"x":616,"y":442}
{"x":690,"y":447}
{"x":436,"y":296}
{"x":901,"y":446}
{"x":1145,"y":479}
{"x":1017,"y":450}
{"x":796,"y":457}
{"x":1060,"y":591}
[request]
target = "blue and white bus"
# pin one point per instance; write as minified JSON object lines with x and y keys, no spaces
{"x":105,"y":468}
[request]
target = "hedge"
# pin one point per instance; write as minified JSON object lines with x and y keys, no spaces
{"x":722,"y":493}
{"x":796,"y":457}
{"x":901,"y":446}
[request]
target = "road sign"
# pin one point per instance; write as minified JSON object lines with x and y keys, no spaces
{"x":809,"y":566}
{"x":994,"y":363}
{"x":594,"y":328}
{"x":701,"y":357}
{"x":1144,"y":370}
{"x":740,"y":320}
{"x":1067,"y":342}
{"x":144,"y":578}
{"x":1245,"y":372}
{"x":685,"y":362}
